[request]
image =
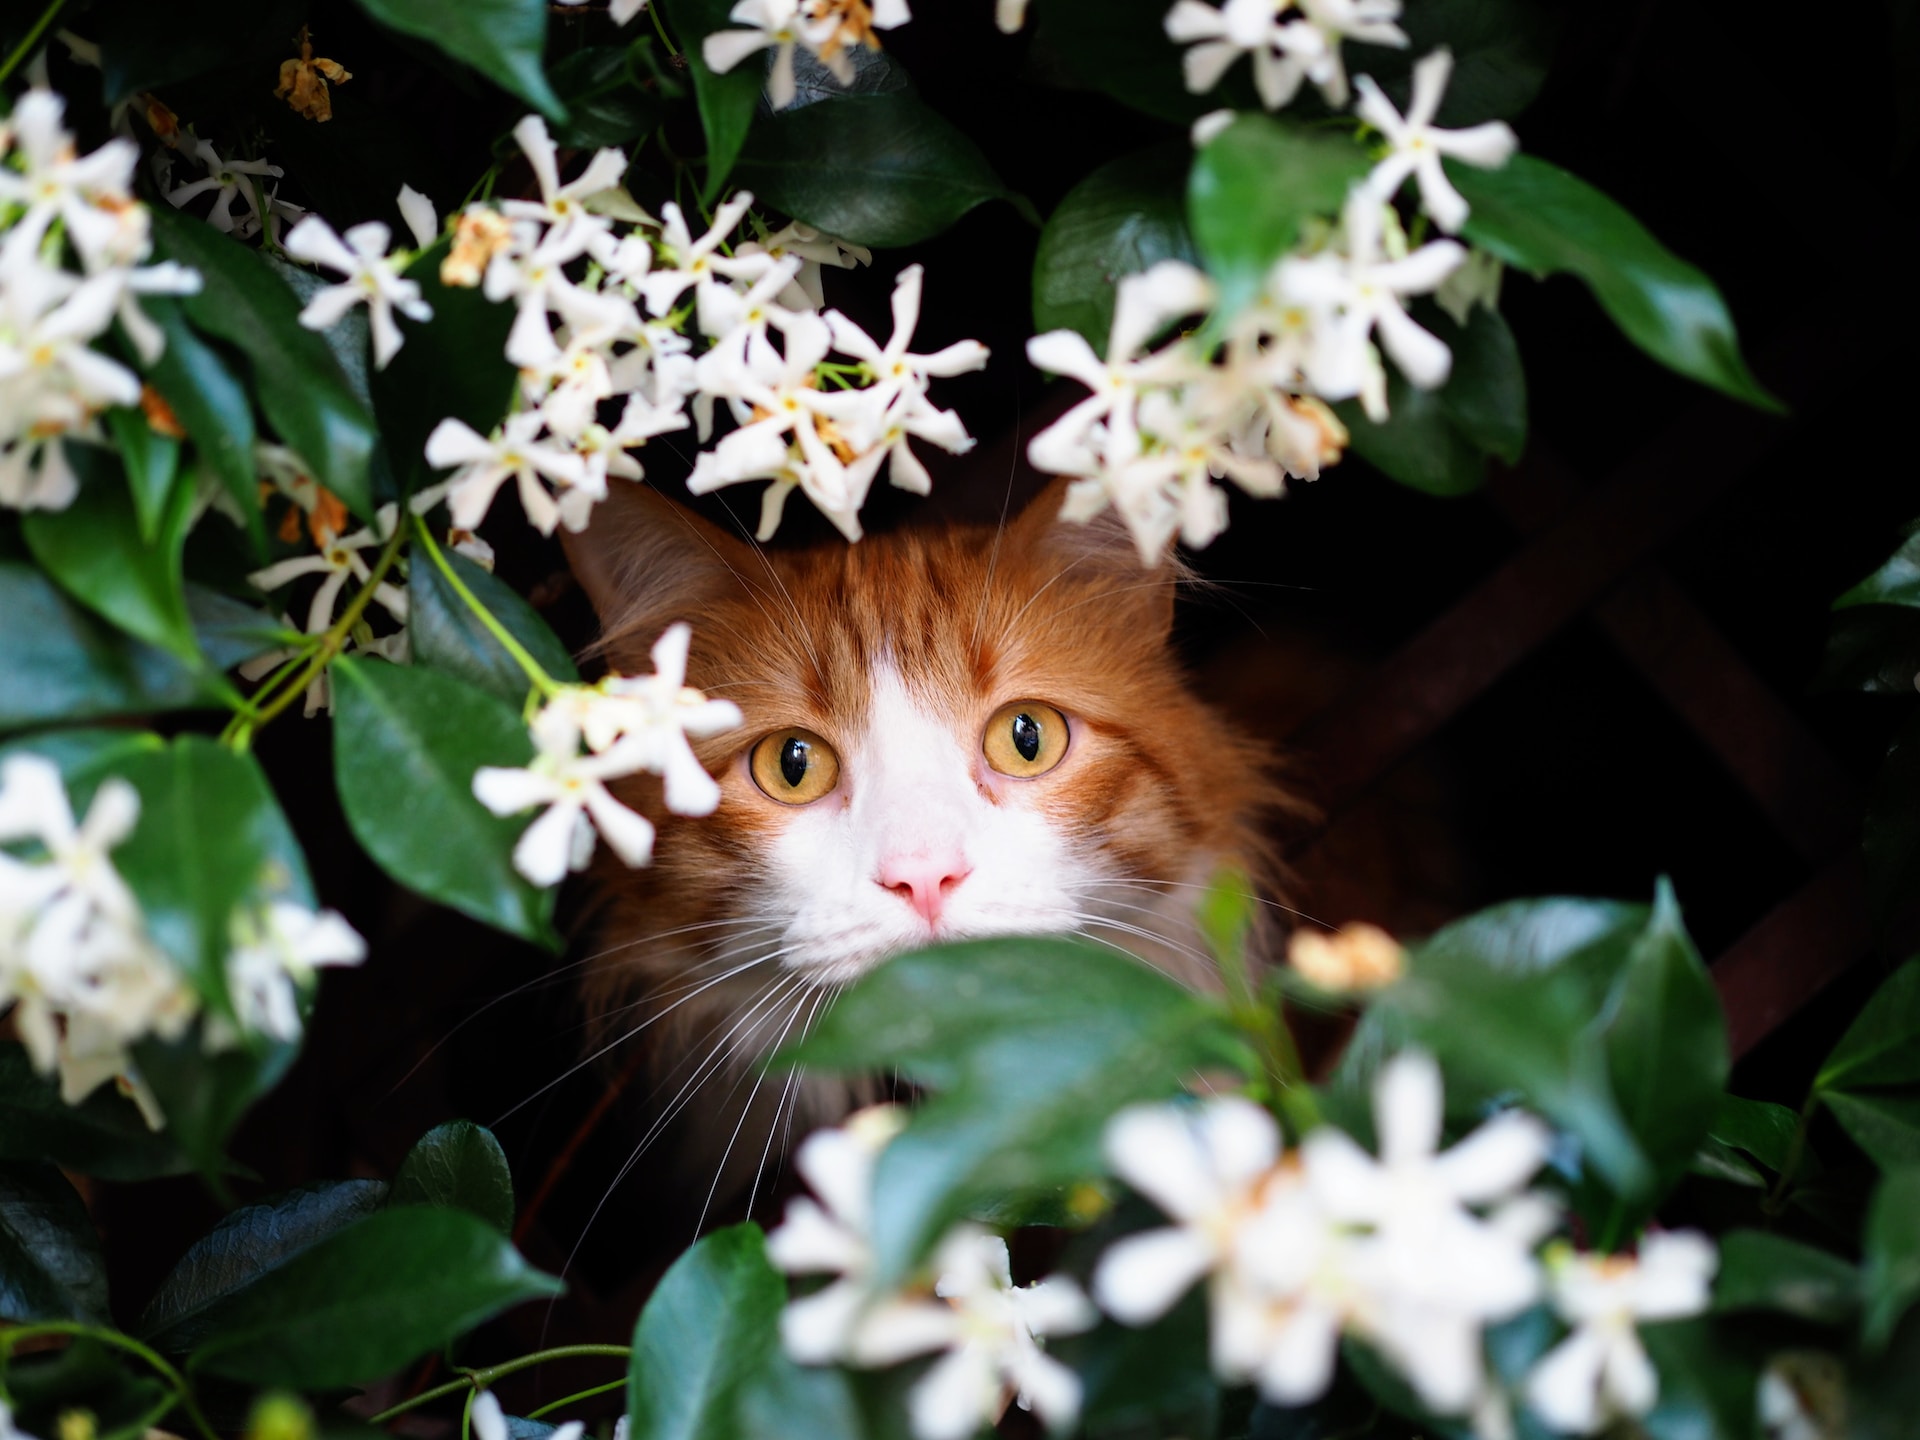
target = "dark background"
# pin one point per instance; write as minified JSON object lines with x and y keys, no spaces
{"x":1769,"y":159}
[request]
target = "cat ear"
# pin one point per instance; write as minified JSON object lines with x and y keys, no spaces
{"x":646,"y":562}
{"x":1102,"y":551}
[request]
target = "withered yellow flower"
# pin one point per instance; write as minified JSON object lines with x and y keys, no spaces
{"x":303,"y":82}
{"x":1355,"y":957}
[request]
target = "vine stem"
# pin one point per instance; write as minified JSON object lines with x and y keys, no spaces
{"x":553,"y":1405}
{"x":32,"y":38}
{"x":653,"y":13}
{"x":474,"y":1381}
{"x":539,"y":678}
{"x":73,"y":1329}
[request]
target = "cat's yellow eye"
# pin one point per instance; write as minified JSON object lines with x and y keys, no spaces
{"x":795,"y":767}
{"x":1025,"y":739}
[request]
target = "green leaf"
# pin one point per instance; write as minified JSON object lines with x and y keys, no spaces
{"x":406,"y":744}
{"x":1887,"y":1127}
{"x":1151,"y":1381}
{"x":454,"y":368}
{"x":1875,"y":648}
{"x":608,"y":101}
{"x":104,"y":1135}
{"x":1891,"y":833}
{"x":448,"y":636}
{"x":203,"y":1096}
{"x":152,"y":462}
{"x":1253,"y":187}
{"x":458,"y":1164}
{"x":212,"y":405}
{"x":880,"y":170}
{"x":1537,"y":217}
{"x":119,"y":1393}
{"x":727,"y":102}
{"x":1666,"y":1044}
{"x":1882,"y":1046}
{"x":1895,"y":583}
{"x":1122,"y":219}
{"x":1031,"y":1044}
{"x":1707,"y":1384}
{"x":51,"y":1266}
{"x":1485,"y":399}
{"x":504,"y":40}
{"x":1419,"y":445}
{"x":1890,"y":1269}
{"x":1762,"y":1271}
{"x":1524,"y":937}
{"x":710,"y":1325}
{"x":1501,"y":51}
{"x":785,"y":1401}
{"x":1120,"y":48}
{"x":95,"y":550}
{"x":248,"y":1244}
{"x":210,"y":841}
{"x":368,"y":1300}
{"x":1759,"y":1127}
{"x":301,"y":388}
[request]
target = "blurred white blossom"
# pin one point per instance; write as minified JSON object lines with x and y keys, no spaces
{"x":1419,"y":146}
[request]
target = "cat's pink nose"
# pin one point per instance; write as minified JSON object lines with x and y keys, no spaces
{"x":925,"y":881}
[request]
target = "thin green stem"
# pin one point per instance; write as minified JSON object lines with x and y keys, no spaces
{"x":477,"y":1380}
{"x":31,"y":39}
{"x":653,"y":12}
{"x":551,"y":1406}
{"x":536,"y":675}
{"x":11,"y":1338}
{"x":1776,"y":1202}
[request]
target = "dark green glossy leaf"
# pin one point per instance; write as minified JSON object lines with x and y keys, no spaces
{"x":612,"y":93}
{"x":212,"y":405}
{"x":1759,"y":1127}
{"x":727,"y":102}
{"x":406,"y":744}
{"x":1762,"y":1271}
{"x":299,"y":383}
{"x":1120,"y":48}
{"x":1149,"y":1381}
{"x":448,"y":636}
{"x":1895,"y":583}
{"x":152,"y":462}
{"x":1031,"y":1045}
{"x":1891,"y":833}
{"x":104,"y":1135}
{"x":880,"y":170}
{"x":1418,"y":445}
{"x":1485,"y":399}
{"x":1666,"y":1044}
{"x":95,"y":550}
{"x":1501,"y":51}
{"x":708,"y":1328}
{"x":1531,"y":936}
{"x":1252,"y":188}
{"x":458,"y":1164}
{"x":1540,"y":218}
{"x":1875,"y":648}
{"x":1887,"y":1127}
{"x":51,"y":1266}
{"x":1123,"y":218}
{"x":1882,"y":1046}
{"x":785,"y":1401}
{"x":1708,"y":1383}
{"x":369,"y":1299}
{"x":504,"y":40}
{"x":210,"y":841}
{"x":204,"y":1095}
{"x":246,"y":1245}
{"x":1890,"y":1270}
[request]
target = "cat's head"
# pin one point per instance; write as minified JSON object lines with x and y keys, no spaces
{"x":949,"y":733}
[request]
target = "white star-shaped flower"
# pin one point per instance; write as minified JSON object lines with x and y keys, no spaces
{"x":515,"y":452}
{"x":227,"y":179}
{"x":1282,"y":54}
{"x":273,"y":959}
{"x":90,"y":194}
{"x":341,"y":559}
{"x":373,"y":279}
{"x":1418,"y":146}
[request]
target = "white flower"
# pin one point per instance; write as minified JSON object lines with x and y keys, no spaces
{"x":1370,"y":21}
{"x":695,"y":263}
{"x":340,"y":560}
{"x":568,"y":208}
{"x":1600,"y":1372}
{"x":896,"y":371}
{"x":273,"y":959}
{"x":1009,"y":15}
{"x":1283,"y":54}
{"x":373,"y":279}
{"x":490,"y":1421}
{"x":90,"y":194}
{"x":517,"y":452}
{"x":576,"y":798}
{"x":814,"y":251}
{"x":227,"y":178}
{"x":1418,"y":146}
{"x":50,"y":381}
{"x":658,"y":712}
{"x":821,"y":25}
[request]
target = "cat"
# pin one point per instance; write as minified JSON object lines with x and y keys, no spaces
{"x":950,"y":732}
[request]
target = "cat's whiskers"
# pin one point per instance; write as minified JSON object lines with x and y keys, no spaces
{"x":999,"y":533}
{"x":690,"y":977}
{"x":1125,"y":927}
{"x":1195,"y":885}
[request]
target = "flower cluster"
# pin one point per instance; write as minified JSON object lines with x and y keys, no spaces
{"x":1246,"y":399}
{"x":77,"y":964}
{"x":986,"y":1330}
{"x":609,"y":304}
{"x":625,"y":725}
{"x":72,"y":245}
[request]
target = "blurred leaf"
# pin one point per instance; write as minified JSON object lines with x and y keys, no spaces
{"x":606,"y":102}
{"x":1154,"y":1380}
{"x":504,"y":40}
{"x":210,"y":840}
{"x":84,"y":1375}
{"x":145,"y":46}
{"x":1890,"y":1269}
{"x":1030,"y":1045}
{"x":1253,"y":187}
{"x":785,"y":1401}
{"x":1875,"y":648}
{"x":1123,"y":218}
{"x":299,"y":383}
{"x":1707,"y":1385}
{"x":51,"y":1266}
{"x":448,"y":636}
{"x":246,"y":1245}
{"x":369,"y":1299}
{"x":727,"y":102}
{"x":212,"y":406}
{"x":1533,"y":936}
{"x":455,"y":368}
{"x":1891,"y":832}
{"x":1120,"y":48}
{"x":1761,"y":1271}
{"x":1666,"y":1044}
{"x":1887,"y":1127}
{"x":104,"y":1135}
{"x":1882,"y":1045}
{"x":203,"y":1096}
{"x":1537,"y":217}
{"x":1418,"y":445}
{"x":407,"y":742}
{"x":711,"y":1324}
{"x":94,"y":549}
{"x":152,"y":463}
{"x":879,"y":170}
{"x":458,"y":1164}
{"x":1501,"y":52}
{"x":1895,"y":583}
{"x":1759,"y":1127}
